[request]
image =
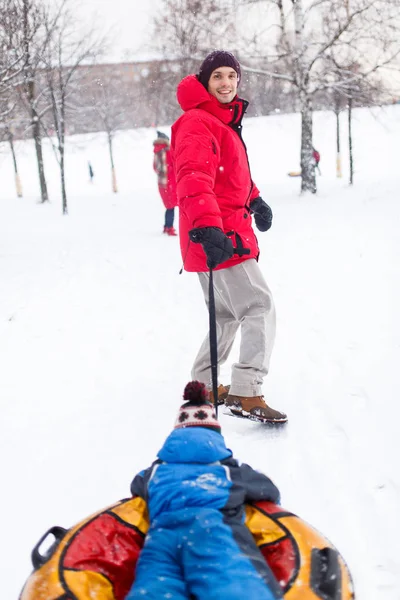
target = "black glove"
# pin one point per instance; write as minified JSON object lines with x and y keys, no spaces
{"x":262,"y":214}
{"x":217,"y":246}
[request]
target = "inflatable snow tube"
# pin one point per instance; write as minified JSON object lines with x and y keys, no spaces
{"x":304,"y":562}
{"x":96,"y":559}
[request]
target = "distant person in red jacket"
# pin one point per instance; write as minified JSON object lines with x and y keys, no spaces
{"x":162,"y":165}
{"x":317,"y":158}
{"x":217,"y":201}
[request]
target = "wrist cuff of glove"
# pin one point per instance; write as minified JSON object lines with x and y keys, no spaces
{"x":255,"y":204}
{"x":200,"y":234}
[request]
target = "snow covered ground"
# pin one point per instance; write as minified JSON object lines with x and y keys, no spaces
{"x":98,"y":332}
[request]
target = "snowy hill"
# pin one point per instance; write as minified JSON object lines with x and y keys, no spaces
{"x":98,"y":332}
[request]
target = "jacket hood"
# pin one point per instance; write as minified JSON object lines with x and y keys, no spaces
{"x":191,"y":93}
{"x":194,"y":445}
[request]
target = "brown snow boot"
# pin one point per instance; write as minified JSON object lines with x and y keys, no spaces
{"x":223,"y":391}
{"x":254,"y":408}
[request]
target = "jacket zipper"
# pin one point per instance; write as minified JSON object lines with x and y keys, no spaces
{"x":235,"y":114}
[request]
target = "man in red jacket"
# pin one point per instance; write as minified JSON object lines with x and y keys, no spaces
{"x":217,"y":198}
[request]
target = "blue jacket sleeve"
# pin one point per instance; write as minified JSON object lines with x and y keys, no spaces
{"x":140,"y":482}
{"x":258,"y":486}
{"x":137,"y":485}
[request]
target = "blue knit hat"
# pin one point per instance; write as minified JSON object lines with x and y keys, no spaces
{"x":216,"y":59}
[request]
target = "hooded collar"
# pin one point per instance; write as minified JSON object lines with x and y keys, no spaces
{"x":192,"y":94}
{"x":194,"y":445}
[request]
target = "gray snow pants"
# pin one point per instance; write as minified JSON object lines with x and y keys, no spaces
{"x":242,"y":298}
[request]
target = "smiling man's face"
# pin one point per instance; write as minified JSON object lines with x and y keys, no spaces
{"x":223,"y":84}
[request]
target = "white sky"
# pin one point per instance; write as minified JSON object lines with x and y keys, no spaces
{"x":130,"y":21}
{"x":131,"y":24}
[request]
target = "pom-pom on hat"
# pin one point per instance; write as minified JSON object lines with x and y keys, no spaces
{"x":216,"y":59}
{"x":198,"y":410}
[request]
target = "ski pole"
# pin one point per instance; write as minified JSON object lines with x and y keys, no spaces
{"x":213,"y":341}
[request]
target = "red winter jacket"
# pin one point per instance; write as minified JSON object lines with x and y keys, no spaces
{"x":162,"y":165}
{"x":214,"y":185}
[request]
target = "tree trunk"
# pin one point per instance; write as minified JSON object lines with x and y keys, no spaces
{"x":63,"y":189}
{"x":307,"y":163}
{"x":338,"y":156}
{"x":113,"y":175}
{"x":61,"y":143}
{"x":39,"y":155}
{"x":350,"y":115}
{"x":29,"y":88}
{"x":17,"y":179}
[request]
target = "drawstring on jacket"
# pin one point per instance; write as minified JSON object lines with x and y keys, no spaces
{"x":184,"y":258}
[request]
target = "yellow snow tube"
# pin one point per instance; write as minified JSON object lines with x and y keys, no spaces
{"x":306,"y":564}
{"x":96,"y":559}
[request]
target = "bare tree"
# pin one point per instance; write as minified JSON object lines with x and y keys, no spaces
{"x":310,"y":30}
{"x":350,"y":121}
{"x":11,"y":51}
{"x":338,"y":102}
{"x":6,"y":133}
{"x":109,"y":108}
{"x":183,"y":31}
{"x":156,"y":93}
{"x":35,"y":39}
{"x":360,"y":93}
{"x":353,"y":91}
{"x":66,"y":50}
{"x":11,"y":67}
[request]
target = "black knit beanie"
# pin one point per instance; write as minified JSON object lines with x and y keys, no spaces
{"x":162,"y":136}
{"x":216,"y":59}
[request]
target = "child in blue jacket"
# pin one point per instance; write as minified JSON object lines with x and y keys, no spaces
{"x":198,"y":546}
